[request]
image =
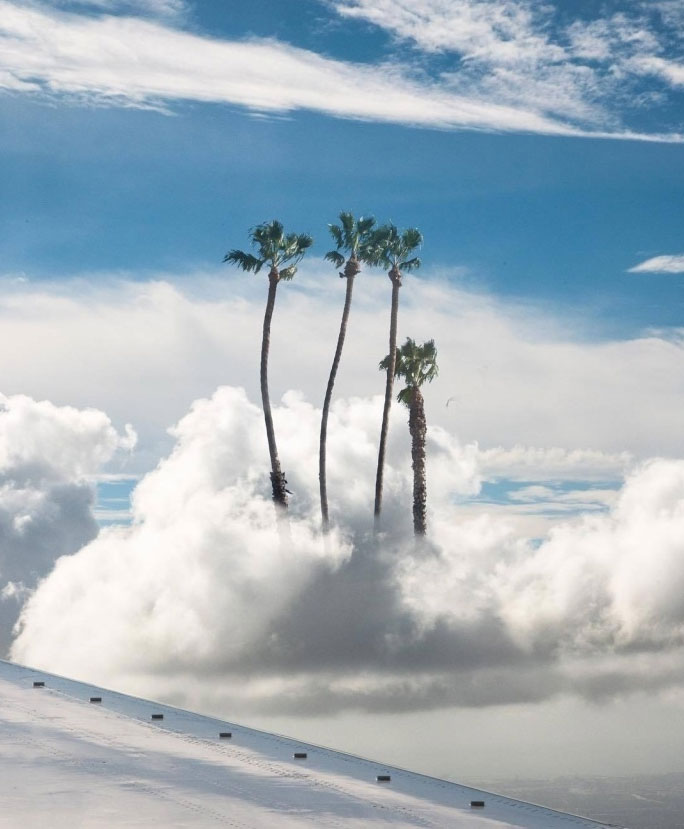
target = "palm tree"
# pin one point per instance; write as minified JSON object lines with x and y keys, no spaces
{"x":276,"y":249}
{"x":357,"y":240}
{"x":417,"y":364}
{"x":397,"y":254}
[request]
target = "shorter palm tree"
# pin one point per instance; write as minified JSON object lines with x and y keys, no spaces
{"x":417,"y":364}
{"x":396,"y":251}
{"x":355,"y":237}
{"x":281,"y":252}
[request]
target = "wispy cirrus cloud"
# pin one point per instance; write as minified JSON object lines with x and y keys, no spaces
{"x":145,"y":62}
{"x":669,"y":263}
{"x":143,"y":8}
{"x":139,"y":62}
{"x":526,"y":54}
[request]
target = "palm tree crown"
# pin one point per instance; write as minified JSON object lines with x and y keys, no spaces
{"x":274,"y":247}
{"x":417,"y":364}
{"x":356,"y":237}
{"x":395,"y":249}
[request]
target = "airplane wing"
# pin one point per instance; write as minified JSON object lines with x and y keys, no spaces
{"x":73,"y":754}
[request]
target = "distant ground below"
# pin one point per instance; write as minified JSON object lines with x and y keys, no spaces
{"x":638,"y":802}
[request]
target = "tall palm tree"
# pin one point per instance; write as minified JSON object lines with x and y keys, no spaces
{"x":417,"y":364}
{"x":356,"y":238}
{"x":281,"y":252}
{"x":397,"y":251}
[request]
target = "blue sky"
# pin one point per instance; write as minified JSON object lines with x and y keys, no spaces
{"x":95,"y":177}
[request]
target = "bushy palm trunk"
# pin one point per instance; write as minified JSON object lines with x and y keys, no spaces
{"x":418,"y":430}
{"x":350,"y":271}
{"x":278,"y":483}
{"x":395,"y":277}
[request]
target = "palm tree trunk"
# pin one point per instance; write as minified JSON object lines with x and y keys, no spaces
{"x":395,"y":276}
{"x":278,"y":482}
{"x":418,"y":430}
{"x":350,"y":271}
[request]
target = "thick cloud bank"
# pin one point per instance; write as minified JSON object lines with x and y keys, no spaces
{"x":47,"y":456}
{"x":200,"y":601}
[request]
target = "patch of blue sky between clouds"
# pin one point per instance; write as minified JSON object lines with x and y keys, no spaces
{"x":541,"y":497}
{"x":113,"y":501}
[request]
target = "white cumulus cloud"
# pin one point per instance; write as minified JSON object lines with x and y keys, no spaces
{"x":184,"y":337}
{"x":48,"y":454}
{"x":201,"y":585}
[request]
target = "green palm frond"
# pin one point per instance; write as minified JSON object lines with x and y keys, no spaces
{"x":412,"y":238}
{"x":374,"y":249}
{"x":404,"y":396}
{"x":396,"y":248}
{"x":367,"y":248}
{"x":304,"y":241}
{"x":243,"y":260}
{"x":417,"y":364}
{"x":268,"y":238}
{"x":348,"y":228}
{"x":365,"y":225}
{"x":384,"y":241}
{"x":336,"y":233}
{"x":336,"y":258}
{"x":288,"y":273}
{"x":273,"y":247}
{"x":354,"y":237}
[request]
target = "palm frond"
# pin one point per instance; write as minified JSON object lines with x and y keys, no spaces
{"x":274,"y":230}
{"x":274,"y":247}
{"x":289,"y":246}
{"x":412,"y":238}
{"x":372,"y":249}
{"x":287,"y":273}
{"x":267,"y":238}
{"x":336,"y":233}
{"x":243,"y":260}
{"x":381,"y":243}
{"x":335,"y":257}
{"x":404,"y":396}
{"x":386,"y":234}
{"x":353,"y":236}
{"x":348,"y":229}
{"x":294,"y":247}
{"x":365,"y":224}
{"x":410,"y":264}
{"x":393,"y":248}
{"x":417,"y":364}
{"x":365,"y":247}
{"x":304,"y":241}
